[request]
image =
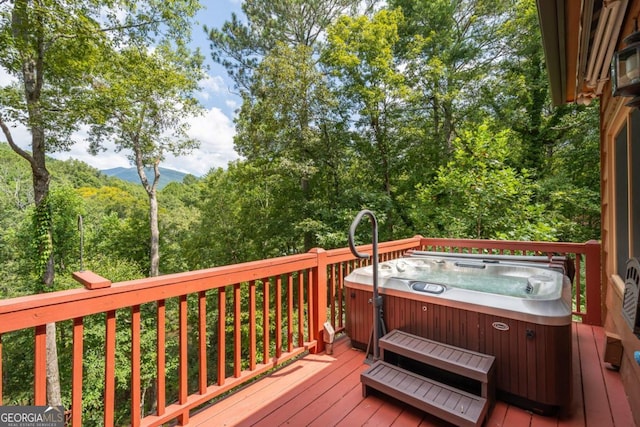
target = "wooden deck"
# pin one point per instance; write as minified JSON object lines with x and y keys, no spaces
{"x":325,"y":390}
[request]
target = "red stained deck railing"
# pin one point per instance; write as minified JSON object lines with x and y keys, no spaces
{"x":261,"y":314}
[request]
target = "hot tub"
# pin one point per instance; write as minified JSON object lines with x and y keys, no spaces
{"x":517,"y":309}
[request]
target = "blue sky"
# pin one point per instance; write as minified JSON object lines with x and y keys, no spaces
{"x":214,"y":130}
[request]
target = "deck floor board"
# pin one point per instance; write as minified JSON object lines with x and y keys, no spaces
{"x":325,"y":390}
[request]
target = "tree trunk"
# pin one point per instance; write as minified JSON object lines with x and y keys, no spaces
{"x":155,"y":235}
{"x":54,"y":397}
{"x":151,"y":189}
{"x":33,"y":79}
{"x":41,"y":178}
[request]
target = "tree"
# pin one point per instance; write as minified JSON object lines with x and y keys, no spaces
{"x":47,"y":61}
{"x":287,"y":113}
{"x":143,"y":102}
{"x":447,"y":50}
{"x":240,"y":47}
{"x":518,"y":92}
{"x":359,"y":53}
{"x":478,"y":195}
{"x":50,"y":48}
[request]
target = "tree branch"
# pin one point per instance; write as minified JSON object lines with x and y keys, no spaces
{"x":12,"y":144}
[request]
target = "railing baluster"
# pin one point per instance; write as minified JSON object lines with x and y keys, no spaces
{"x":1,"y":374}
{"x":237,"y":331}
{"x":300,"y":308}
{"x":135,"y":366}
{"x":40,"y":368}
{"x":310,"y":304}
{"x":341,"y":276}
{"x":252,"y":325}
{"x":183,"y":359}
{"x":577,"y":283}
{"x":222,"y":330}
{"x":290,"y":312}
{"x":110,"y":368}
{"x":265,"y":321}
{"x":202,"y":341}
{"x":278,"y":316}
{"x":331,"y":281}
{"x":161,"y":357}
{"x":76,"y":382}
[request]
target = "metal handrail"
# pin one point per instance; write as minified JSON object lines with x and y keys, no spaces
{"x":377,"y":300}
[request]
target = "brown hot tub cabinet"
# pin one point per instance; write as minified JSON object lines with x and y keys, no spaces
{"x":532,"y":347}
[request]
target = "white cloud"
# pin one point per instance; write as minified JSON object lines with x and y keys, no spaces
{"x":5,"y":78}
{"x":103,"y":160}
{"x":215,"y":132}
{"x":214,"y":84}
{"x":232,"y":104}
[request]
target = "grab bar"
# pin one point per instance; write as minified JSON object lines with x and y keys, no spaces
{"x":377,"y":300}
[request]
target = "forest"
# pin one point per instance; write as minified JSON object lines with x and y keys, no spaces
{"x":434,"y":114}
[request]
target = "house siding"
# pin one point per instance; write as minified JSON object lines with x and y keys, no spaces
{"x":615,"y":118}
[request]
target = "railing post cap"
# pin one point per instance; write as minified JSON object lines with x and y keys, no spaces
{"x":317,"y":250}
{"x":91,"y":280}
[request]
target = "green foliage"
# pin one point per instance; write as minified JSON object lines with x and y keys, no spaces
{"x":240,"y":45}
{"x":42,"y":239}
{"x":477,"y":195}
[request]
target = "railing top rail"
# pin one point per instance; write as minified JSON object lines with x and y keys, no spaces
{"x":34,"y":310}
{"x":344,"y":254}
{"x":507,"y":244}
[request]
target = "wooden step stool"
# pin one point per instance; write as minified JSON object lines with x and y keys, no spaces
{"x":438,"y":398}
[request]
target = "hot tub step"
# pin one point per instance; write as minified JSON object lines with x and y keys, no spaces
{"x":443,"y":401}
{"x":463,"y":362}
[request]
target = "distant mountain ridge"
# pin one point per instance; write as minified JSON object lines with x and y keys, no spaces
{"x":167,"y":176}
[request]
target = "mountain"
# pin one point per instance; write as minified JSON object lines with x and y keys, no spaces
{"x":131,"y":174}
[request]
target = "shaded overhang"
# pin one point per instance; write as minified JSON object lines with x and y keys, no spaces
{"x":579,"y":38}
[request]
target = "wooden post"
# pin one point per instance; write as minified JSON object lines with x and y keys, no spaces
{"x":594,"y":283}
{"x":319,"y":295}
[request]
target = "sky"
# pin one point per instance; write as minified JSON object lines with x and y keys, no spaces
{"x":214,"y":129}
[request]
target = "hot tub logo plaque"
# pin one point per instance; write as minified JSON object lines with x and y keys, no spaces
{"x":500,"y":326}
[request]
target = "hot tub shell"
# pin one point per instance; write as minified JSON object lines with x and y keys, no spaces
{"x":530,"y":337}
